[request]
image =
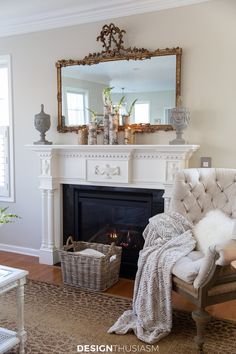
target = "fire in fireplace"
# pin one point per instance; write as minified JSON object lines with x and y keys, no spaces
{"x":127,"y":236}
{"x":111,"y":214}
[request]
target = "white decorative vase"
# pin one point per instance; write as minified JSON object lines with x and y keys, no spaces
{"x":92,"y":134}
{"x":113,"y":128}
{"x":107,"y":112}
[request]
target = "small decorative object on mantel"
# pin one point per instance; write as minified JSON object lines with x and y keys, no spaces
{"x":107,"y":113}
{"x":129,"y":135}
{"x":42,"y":124}
{"x":126,"y":117}
{"x":125,"y":120}
{"x":92,"y":133}
{"x":83,"y":136}
{"x":179,"y":119}
{"x":107,"y":101}
{"x":92,"y":128}
{"x":132,"y":139}
{"x":113,"y":128}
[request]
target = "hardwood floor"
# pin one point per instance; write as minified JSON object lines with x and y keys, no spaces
{"x":52,"y":274}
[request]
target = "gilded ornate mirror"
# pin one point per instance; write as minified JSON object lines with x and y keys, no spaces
{"x":150,"y":78}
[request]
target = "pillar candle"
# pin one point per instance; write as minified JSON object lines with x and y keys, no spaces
{"x":129,"y":136}
{"x":83,"y":136}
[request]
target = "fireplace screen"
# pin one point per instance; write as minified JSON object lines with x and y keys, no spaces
{"x":110,"y":214}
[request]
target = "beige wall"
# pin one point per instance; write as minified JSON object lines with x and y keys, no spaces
{"x":206,"y":32}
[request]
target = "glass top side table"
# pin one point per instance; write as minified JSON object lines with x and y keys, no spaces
{"x":11,"y":278}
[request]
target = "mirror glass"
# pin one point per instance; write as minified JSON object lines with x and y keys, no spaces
{"x":152,"y":82}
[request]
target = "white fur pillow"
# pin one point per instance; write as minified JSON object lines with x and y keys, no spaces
{"x":214,"y":228}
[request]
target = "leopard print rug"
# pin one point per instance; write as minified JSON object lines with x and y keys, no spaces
{"x":58,"y":318}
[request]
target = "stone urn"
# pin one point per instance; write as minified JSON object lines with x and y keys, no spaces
{"x":179,"y":119}
{"x":42,"y":124}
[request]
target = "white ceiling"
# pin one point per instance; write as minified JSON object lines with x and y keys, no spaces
{"x":24,"y":16}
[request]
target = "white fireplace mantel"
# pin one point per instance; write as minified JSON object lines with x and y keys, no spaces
{"x":137,"y":166}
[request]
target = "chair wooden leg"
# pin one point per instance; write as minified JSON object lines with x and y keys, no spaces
{"x":201,"y":318}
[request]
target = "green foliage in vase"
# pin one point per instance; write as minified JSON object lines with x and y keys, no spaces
{"x":5,"y":217}
{"x":119,"y":105}
{"x":130,"y":110}
{"x":93,"y":118}
{"x":107,"y":96}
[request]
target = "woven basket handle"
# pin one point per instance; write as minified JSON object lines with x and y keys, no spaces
{"x":69,"y":241}
{"x":112,"y":250}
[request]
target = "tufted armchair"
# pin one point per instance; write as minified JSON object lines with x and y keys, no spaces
{"x":195,"y":192}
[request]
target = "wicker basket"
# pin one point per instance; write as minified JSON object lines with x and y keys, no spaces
{"x":89,"y":272}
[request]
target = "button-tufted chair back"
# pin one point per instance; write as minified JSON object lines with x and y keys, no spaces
{"x":198,"y":190}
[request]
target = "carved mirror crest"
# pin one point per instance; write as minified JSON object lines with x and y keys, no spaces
{"x":150,"y":78}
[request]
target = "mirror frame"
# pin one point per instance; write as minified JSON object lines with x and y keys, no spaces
{"x":112,"y":41}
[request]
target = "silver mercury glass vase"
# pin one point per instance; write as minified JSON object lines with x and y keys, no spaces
{"x":42,"y":124}
{"x":179,"y":119}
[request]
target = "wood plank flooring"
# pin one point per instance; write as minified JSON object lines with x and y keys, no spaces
{"x":52,"y":274}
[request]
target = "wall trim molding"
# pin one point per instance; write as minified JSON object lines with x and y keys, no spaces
{"x":102,"y":10}
{"x":18,"y":249}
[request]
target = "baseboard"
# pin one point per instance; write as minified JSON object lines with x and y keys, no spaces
{"x":20,"y":250}
{"x":48,"y":256}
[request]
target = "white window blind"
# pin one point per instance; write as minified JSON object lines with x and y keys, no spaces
{"x":6,"y":134}
{"x":75,"y":108}
{"x":4,"y":161}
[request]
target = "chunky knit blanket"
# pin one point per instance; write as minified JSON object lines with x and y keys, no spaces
{"x":168,"y":237}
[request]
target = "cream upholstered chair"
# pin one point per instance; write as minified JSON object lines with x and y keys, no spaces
{"x":195,"y":192}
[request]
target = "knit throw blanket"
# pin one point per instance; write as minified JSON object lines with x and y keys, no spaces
{"x":168,"y":237}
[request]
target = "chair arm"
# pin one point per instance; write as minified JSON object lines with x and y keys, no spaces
{"x":207,"y":269}
{"x":226,"y":251}
{"x":218,"y":255}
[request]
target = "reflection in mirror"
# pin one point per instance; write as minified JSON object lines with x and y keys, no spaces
{"x":151,"y":82}
{"x":150,"y":79}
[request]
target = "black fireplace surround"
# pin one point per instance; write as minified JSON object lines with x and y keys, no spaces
{"x":111,"y":214}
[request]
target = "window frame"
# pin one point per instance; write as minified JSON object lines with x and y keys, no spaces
{"x":149,"y":109}
{"x":79,"y":91}
{"x":6,"y":61}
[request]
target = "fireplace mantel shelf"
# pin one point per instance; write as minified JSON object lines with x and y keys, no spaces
{"x":159,"y":148}
{"x":133,"y":166}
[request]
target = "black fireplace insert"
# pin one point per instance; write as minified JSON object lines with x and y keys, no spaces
{"x":111,"y":214}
